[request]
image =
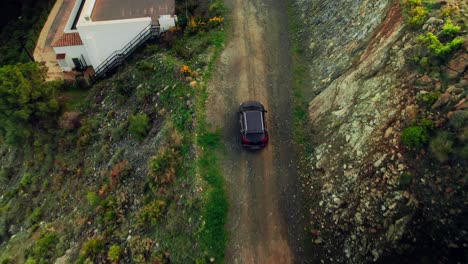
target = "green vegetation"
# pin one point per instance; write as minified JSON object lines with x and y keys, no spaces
{"x":26,"y":102}
{"x":213,"y":235}
{"x":138,"y":126}
{"x":428,"y":99}
{"x":436,"y":48}
{"x":92,"y":247}
{"x":85,"y":176}
{"x":449,"y":29}
{"x":114,"y":253}
{"x":43,"y":250}
{"x":414,"y":137}
{"x":150,"y":213}
{"x":405,"y":180}
{"x":22,"y":29}
{"x":415,"y":13}
{"x":441,"y":146}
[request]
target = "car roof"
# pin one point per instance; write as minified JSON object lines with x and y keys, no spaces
{"x":254,"y":121}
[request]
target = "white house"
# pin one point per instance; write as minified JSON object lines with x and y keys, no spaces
{"x":98,"y":28}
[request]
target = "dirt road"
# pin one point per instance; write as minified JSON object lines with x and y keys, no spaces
{"x":256,"y":65}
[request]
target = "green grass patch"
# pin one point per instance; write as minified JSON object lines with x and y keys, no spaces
{"x":213,"y":235}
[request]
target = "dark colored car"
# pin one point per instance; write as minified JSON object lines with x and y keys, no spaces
{"x":254,"y":134}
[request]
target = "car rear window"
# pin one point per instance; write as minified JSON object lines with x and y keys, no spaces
{"x":254,"y":120}
{"x":255,"y":137}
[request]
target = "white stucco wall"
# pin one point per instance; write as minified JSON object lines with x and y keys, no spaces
{"x":104,"y":37}
{"x":72,"y":16}
{"x":166,"y":22}
{"x":72,"y":52}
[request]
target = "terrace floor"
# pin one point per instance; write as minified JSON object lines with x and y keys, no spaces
{"x":105,"y":10}
{"x":53,"y":29}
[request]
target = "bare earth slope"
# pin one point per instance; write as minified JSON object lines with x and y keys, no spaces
{"x":255,"y":66}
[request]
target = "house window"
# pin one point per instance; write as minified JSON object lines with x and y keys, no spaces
{"x":61,"y":61}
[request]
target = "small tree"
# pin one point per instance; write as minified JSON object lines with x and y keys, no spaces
{"x":26,"y":101}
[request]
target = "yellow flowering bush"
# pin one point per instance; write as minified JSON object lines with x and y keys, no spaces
{"x":185,"y":70}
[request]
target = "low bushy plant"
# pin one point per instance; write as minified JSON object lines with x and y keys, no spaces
{"x":120,"y":170}
{"x":150,"y":213}
{"x":436,"y":48}
{"x":414,"y":137}
{"x":428,"y":99}
{"x":163,"y":167}
{"x":93,"y":199}
{"x":459,"y":120}
{"x":417,"y":16}
{"x":114,"y":253}
{"x":405,"y":179}
{"x":93,"y":247}
{"x":43,"y":250}
{"x":441,"y":146}
{"x":138,"y":126}
{"x":449,"y":29}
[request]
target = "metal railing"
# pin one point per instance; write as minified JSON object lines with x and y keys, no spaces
{"x":117,"y":57}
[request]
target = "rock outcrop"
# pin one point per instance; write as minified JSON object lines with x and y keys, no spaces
{"x":360,"y":210}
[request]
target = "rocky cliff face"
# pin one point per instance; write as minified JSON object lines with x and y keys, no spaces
{"x":334,"y":34}
{"x":359,"y":69}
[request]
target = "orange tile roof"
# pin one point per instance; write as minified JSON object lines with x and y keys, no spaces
{"x":68,"y":39}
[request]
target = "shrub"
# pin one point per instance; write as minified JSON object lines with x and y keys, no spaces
{"x":450,"y":10}
{"x":195,"y":25}
{"x":215,"y":21}
{"x":150,"y":213}
{"x":163,"y":167}
{"x":43,"y":249}
{"x":417,"y":16}
{"x":34,"y":217}
{"x":449,"y":29}
{"x":428,"y":99}
{"x":114,"y":253}
{"x":459,"y":120}
{"x":93,"y":247}
{"x":441,"y":146}
{"x":119,"y":171}
{"x":138,"y":126}
{"x":123,"y":87}
{"x":405,"y":179}
{"x":145,"y":67}
{"x":185,"y":70}
{"x":437,"y":48}
{"x":118,"y":132}
{"x":93,"y":199}
{"x":414,"y":137}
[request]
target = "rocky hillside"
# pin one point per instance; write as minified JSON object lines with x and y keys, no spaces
{"x":387,"y":177}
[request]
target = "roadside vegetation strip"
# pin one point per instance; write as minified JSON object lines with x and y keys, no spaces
{"x":213,"y":235}
{"x":301,"y":126}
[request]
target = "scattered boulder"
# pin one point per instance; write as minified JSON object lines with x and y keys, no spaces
{"x":443,"y":100}
{"x":424,"y":81}
{"x":459,"y":62}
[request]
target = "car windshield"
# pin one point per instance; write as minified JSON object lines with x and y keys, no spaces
{"x":254,"y":121}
